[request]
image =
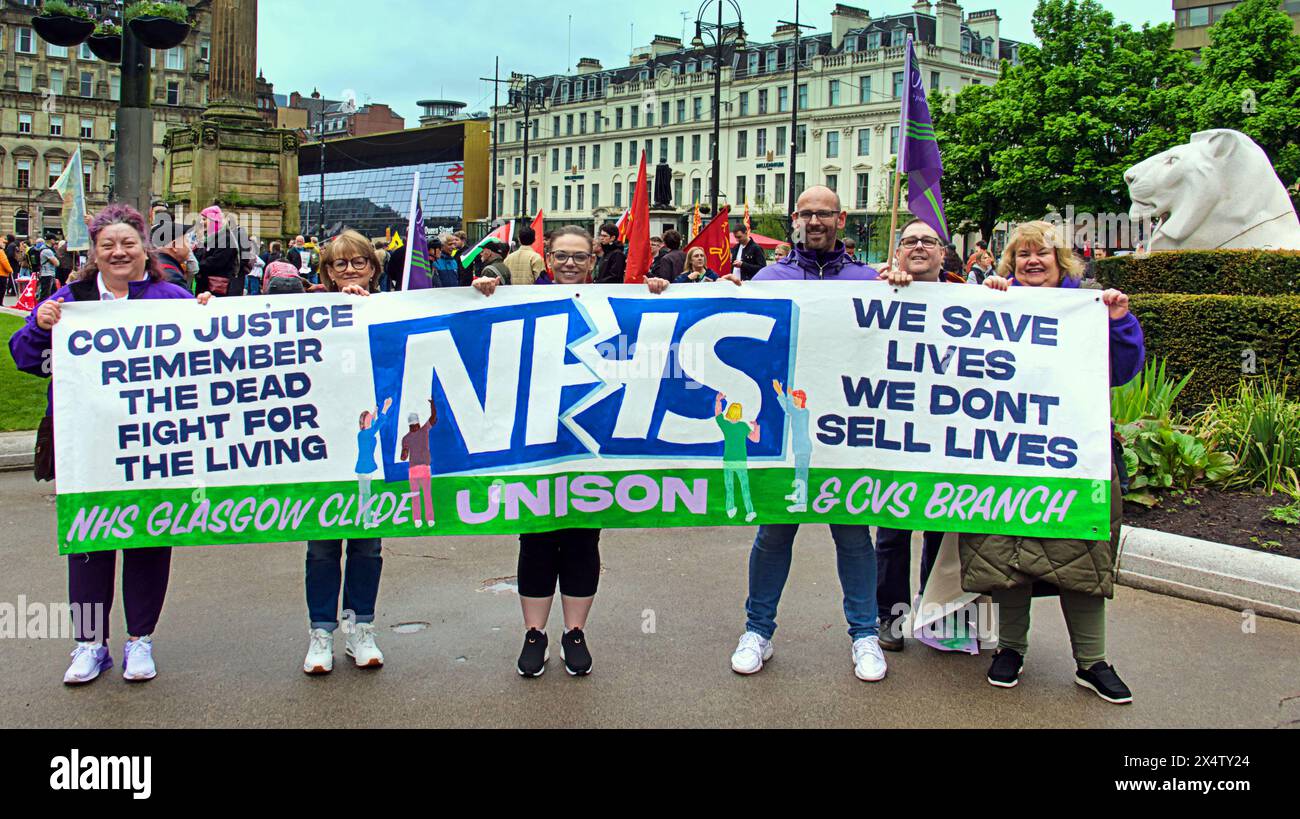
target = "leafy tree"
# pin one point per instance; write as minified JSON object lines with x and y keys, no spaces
{"x":1251,"y":83}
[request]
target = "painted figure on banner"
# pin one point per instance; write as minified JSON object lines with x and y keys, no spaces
{"x":369,"y":425}
{"x":415,"y":451}
{"x":795,"y":404}
{"x":736,"y":432}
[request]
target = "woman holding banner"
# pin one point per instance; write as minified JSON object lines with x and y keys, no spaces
{"x":697,"y":268}
{"x":123,"y":266}
{"x":1011,"y":569}
{"x":349,"y":265}
{"x":569,"y":556}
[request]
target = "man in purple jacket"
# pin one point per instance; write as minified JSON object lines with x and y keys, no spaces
{"x":819,"y":217}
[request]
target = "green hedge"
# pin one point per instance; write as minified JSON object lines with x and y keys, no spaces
{"x":1231,"y":272}
{"x":1211,"y":334}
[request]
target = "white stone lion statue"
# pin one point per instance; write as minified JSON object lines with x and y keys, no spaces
{"x":1218,"y":191}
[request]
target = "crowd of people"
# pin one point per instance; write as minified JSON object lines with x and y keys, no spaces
{"x":131,"y":260}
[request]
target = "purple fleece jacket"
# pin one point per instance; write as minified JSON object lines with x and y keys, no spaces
{"x":1128,"y":350}
{"x":834,"y":265}
{"x":30,"y":345}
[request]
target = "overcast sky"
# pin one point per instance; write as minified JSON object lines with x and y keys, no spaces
{"x":401,"y":51}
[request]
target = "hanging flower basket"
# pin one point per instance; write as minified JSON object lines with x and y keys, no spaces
{"x":159,"y":32}
{"x":107,"y":47}
{"x":63,"y":29}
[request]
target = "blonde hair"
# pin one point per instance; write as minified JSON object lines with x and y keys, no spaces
{"x":733,"y":416}
{"x":692,"y":252}
{"x":1039,"y":234}
{"x":346,"y":245}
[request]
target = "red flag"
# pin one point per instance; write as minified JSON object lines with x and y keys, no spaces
{"x":715,"y":238}
{"x":27,"y":301}
{"x":539,"y":240}
{"x":638,"y":231}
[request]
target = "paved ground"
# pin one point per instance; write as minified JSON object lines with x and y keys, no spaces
{"x":232,"y":637}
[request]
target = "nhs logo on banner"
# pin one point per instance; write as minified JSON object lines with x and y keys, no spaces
{"x":549,"y":381}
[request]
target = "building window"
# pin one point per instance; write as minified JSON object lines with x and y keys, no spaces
{"x":664,"y":109}
{"x":555,"y":198}
{"x":21,"y":226}
{"x":568,"y":159}
{"x":532,"y":200}
{"x":205,"y":49}
{"x":568,"y":197}
{"x":56,"y":125}
{"x":555,"y":159}
{"x":87,"y":128}
{"x":850,"y":45}
{"x":636,"y":116}
{"x":760,"y":143}
{"x":533,"y":163}
{"x":649,"y":117}
{"x":834,"y":92}
{"x":618,"y":194}
{"x":893,"y":140}
{"x":618,"y":154}
{"x":778,"y":194}
{"x":898,"y":37}
{"x":760,"y":187}
{"x":742,"y":144}
{"x":753,"y":63}
{"x":762,"y":101}
{"x":832,"y":144}
{"x":783,"y":99}
{"x":681,"y":112}
{"x":24,"y":123}
{"x":595,"y":196}
{"x":864,"y":90}
{"x":680,"y":154}
{"x":582,"y":189}
{"x":595,"y":159}
{"x":631,"y":152}
{"x":519,"y":195}
{"x":663,"y":149}
{"x":898,"y":84}
{"x":25,"y":79}
{"x":55,"y":167}
{"x":780,"y":140}
{"x":555,"y":126}
{"x":618,"y":119}
{"x":863,"y":192}
{"x":873,"y":39}
{"x":84,"y":53}
{"x":771,"y":61}
{"x":24,"y":175}
{"x":87,"y":84}
{"x":568,"y":125}
{"x":695,"y":147}
{"x":582,"y":157}
{"x":25,"y":41}
{"x":833,"y":182}
{"x":740,"y":190}
{"x":803,"y":96}
{"x":174,"y":94}
{"x":677,"y":192}
{"x":56,"y":81}
{"x":115,"y":87}
{"x":519,"y":165}
{"x":864,"y":142}
{"x":934,"y":80}
{"x":696,"y":189}
{"x":175,"y":59}
{"x":582,"y":123}
{"x":596,"y":121}
{"x":801,"y":139}
{"x":744,"y":103}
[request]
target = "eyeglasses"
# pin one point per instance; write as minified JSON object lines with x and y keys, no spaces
{"x":357,"y":263}
{"x":560,"y":257}
{"x":927,"y":242}
{"x":820,"y":215}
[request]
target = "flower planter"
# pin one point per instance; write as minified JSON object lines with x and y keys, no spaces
{"x":62,"y":30}
{"x":107,"y":47}
{"x":159,"y":32}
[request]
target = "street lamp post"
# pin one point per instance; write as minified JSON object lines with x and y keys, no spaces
{"x":721,"y":34}
{"x":521,"y":95}
{"x":794,"y":113}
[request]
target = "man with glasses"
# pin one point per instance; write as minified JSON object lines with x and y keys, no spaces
{"x":819,"y":218}
{"x":919,"y":258}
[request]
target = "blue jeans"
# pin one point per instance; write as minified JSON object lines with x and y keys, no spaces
{"x":894,"y":564}
{"x":769,"y":566}
{"x":360,"y":581}
{"x":252,"y":286}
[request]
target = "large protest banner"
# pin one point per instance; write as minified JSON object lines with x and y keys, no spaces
{"x":445,"y":412}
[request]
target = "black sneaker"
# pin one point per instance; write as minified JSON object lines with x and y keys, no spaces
{"x":532,"y":660}
{"x":573,"y":650}
{"x":891,"y":633}
{"x":1102,"y":680}
{"x":1006,"y":668}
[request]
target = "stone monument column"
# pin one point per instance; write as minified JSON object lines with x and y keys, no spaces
{"x":231,"y":82}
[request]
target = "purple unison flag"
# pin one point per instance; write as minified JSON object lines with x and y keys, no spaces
{"x":421,"y":277}
{"x":919,"y":157}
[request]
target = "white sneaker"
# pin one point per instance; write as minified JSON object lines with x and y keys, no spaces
{"x":751,"y":653}
{"x":320,"y":652}
{"x":88,"y":659}
{"x":868,"y":659}
{"x":137,"y":660}
{"x":361,"y":646}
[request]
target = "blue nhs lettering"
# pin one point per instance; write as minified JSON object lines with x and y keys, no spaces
{"x":557,"y":380}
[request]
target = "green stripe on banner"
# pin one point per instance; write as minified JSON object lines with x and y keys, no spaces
{"x":921,"y":126}
{"x":938,"y":211}
{"x":508,"y":504}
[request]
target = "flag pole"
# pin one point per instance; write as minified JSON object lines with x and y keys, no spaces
{"x":410,"y":232}
{"x":902,"y":150}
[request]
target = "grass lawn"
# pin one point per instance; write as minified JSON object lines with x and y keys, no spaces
{"x":22,"y":396}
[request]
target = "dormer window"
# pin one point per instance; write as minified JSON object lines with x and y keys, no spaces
{"x":898,"y":37}
{"x":850,"y":45}
{"x":873,"y":39}
{"x":564,"y":92}
{"x":965,"y":43}
{"x":707,"y":65}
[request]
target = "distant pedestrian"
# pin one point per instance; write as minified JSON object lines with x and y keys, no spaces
{"x":670,"y":265}
{"x":612,"y":265}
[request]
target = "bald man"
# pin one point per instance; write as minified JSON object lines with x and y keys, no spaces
{"x":819,"y":218}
